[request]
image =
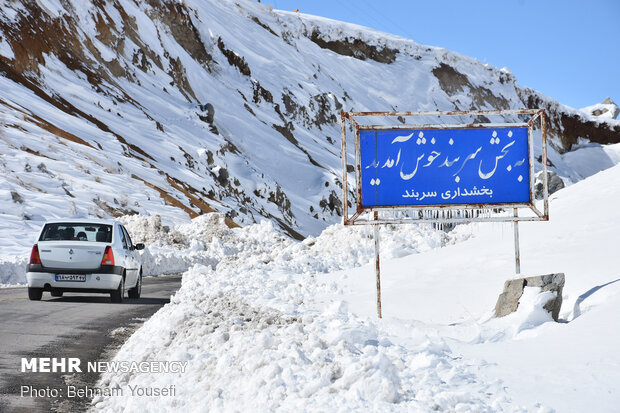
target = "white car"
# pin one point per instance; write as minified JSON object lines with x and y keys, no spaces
{"x":85,"y":255}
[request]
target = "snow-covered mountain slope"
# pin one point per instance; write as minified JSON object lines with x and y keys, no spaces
{"x":275,"y":324}
{"x":177,"y":108}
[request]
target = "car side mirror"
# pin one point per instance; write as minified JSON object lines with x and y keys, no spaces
{"x":139,"y":246}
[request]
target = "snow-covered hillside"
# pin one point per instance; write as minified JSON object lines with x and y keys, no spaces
{"x":278,"y":324}
{"x":179,"y":108}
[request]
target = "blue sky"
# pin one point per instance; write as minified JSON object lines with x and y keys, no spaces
{"x":568,"y":50}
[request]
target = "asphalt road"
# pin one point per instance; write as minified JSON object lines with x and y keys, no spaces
{"x":86,"y":326}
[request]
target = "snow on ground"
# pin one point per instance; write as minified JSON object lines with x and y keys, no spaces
{"x":570,"y":366}
{"x":274,"y":324}
{"x":254,"y":340}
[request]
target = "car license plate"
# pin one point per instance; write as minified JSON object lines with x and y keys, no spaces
{"x":71,"y":277}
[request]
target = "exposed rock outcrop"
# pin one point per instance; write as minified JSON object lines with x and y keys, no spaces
{"x":508,"y":301}
{"x":356,"y":48}
{"x":554,"y":183}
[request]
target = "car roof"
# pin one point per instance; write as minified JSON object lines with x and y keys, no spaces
{"x":82,"y":221}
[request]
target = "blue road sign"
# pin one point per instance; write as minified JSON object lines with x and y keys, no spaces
{"x":444,"y":167}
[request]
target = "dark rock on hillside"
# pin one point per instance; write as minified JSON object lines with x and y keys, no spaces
{"x":356,"y":48}
{"x":453,"y":82}
{"x":234,"y":59}
{"x":554,"y":182}
{"x":178,"y":19}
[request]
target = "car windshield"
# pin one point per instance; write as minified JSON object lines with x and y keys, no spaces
{"x":77,"y":232}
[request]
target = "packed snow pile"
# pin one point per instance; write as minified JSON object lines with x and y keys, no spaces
{"x":247,"y":356}
{"x":208,"y":241}
{"x":13,"y":271}
{"x":274,"y":324}
{"x":254,"y":340}
{"x":150,"y":231}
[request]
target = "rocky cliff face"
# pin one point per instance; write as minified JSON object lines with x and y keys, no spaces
{"x":112,"y":107}
{"x":569,"y":125}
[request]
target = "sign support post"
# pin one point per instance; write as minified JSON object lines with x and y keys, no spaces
{"x":377,"y":266}
{"x":517,"y":250}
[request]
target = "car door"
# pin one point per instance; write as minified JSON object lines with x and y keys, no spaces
{"x":133,"y":261}
{"x":125,"y":252}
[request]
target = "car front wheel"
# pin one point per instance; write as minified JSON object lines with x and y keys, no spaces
{"x":117,"y":295}
{"x":35,"y":294}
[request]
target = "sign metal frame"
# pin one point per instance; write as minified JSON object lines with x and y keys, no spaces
{"x":359,"y":218}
